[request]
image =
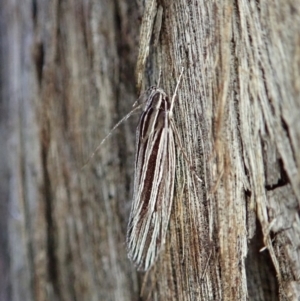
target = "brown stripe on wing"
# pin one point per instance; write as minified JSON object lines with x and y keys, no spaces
{"x":150,"y":115}
{"x":148,"y":227}
{"x":148,"y":146}
{"x":153,"y":226}
{"x":151,"y":166}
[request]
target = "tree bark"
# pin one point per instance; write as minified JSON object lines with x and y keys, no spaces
{"x":67,"y":77}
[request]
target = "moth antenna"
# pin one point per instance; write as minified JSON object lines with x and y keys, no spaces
{"x":206,"y":266}
{"x":107,"y":136}
{"x":175,"y":129}
{"x":175,"y":92}
{"x":159,"y":77}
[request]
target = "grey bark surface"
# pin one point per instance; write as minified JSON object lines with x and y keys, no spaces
{"x":71,"y":69}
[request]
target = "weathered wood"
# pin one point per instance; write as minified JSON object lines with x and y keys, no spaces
{"x":68,"y":69}
{"x":67,"y":76}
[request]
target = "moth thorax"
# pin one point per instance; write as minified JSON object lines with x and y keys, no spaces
{"x":156,"y":101}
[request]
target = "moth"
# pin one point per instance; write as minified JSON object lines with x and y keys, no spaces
{"x":154,"y":176}
{"x":154,"y":179}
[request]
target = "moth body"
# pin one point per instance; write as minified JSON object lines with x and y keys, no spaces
{"x":153,"y":181}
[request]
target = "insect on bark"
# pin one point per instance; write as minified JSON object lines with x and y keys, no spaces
{"x":153,"y":180}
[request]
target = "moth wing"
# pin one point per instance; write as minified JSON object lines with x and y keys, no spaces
{"x":152,"y":199}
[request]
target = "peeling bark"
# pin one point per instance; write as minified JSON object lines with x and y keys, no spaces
{"x":67,"y":77}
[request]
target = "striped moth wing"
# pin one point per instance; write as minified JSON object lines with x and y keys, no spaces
{"x":153,"y":181}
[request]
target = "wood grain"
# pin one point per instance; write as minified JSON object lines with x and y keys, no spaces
{"x":68,"y":75}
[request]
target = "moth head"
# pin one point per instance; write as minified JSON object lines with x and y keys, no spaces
{"x":158,"y":100}
{"x":144,"y":97}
